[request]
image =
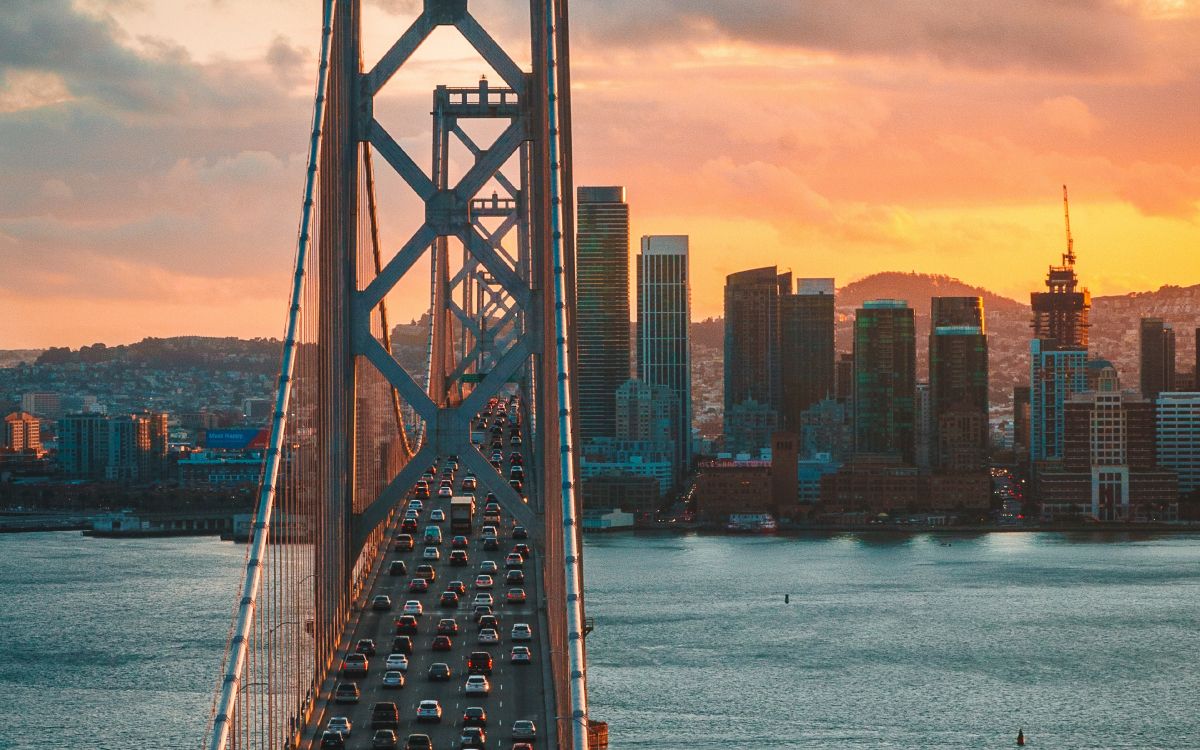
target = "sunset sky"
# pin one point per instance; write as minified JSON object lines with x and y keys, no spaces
{"x":151,"y":151}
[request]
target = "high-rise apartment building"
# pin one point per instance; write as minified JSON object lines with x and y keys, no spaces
{"x":128,"y":441}
{"x":43,"y":404}
{"x":1157,"y":359}
{"x":663,"y":339}
{"x":885,"y":379}
{"x":602,"y":306}
{"x":83,"y":445}
{"x":806,"y":352}
{"x":1177,"y":437}
{"x":23,"y":433}
{"x":958,"y":381}
{"x":752,"y":366}
{"x":922,"y":426}
{"x":646,"y":412}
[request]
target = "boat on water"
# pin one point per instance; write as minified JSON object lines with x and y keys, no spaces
{"x":751,"y":523}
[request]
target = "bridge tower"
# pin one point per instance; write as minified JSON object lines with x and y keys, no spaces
{"x":354,"y":427}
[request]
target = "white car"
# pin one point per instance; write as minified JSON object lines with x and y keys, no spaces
{"x":489,"y":635}
{"x":340,"y":724}
{"x":484,"y":582}
{"x":477,"y":684}
{"x":437,"y":515}
{"x":416,"y":505}
{"x":393,"y":679}
{"x":431,"y":553}
{"x":469,"y":483}
{"x":445,"y":492}
{"x":522,"y":632}
{"x":413,"y":607}
{"x":488,"y":566}
{"x":484,"y":598}
{"x":397,"y":662}
{"x":429,"y":711}
{"x":521,"y":655}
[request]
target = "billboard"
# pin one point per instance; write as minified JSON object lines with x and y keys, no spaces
{"x":236,"y":438}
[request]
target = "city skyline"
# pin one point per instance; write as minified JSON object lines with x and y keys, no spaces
{"x":945,"y":159}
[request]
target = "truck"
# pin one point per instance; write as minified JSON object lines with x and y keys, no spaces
{"x":462,"y":514}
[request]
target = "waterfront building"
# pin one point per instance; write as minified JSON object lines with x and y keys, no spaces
{"x":806,"y":354}
{"x":607,"y":456}
{"x":633,"y":494}
{"x":1177,"y":437}
{"x":809,"y":473}
{"x":958,"y":385}
{"x":602,"y":302}
{"x":83,"y":445}
{"x":208,"y":469}
{"x":885,"y":379}
{"x":128,"y":440}
{"x":663,"y":332}
{"x":23,"y":433}
{"x":871,"y":483}
{"x":727,"y":486}
{"x":1157,"y":360}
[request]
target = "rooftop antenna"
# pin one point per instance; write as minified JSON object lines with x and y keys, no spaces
{"x":1069,"y":257}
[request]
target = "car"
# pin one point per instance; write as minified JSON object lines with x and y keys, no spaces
{"x":459,"y":542}
{"x":443,"y":643}
{"x":457,"y":587}
{"x":459,"y":558}
{"x":517,"y":485}
{"x":489,"y":531}
{"x":412,"y":514}
{"x":447,"y":481}
{"x":418,"y":742}
{"x":448,"y":626}
{"x":485,"y":598}
{"x":521,"y":655}
{"x":473,"y":737}
{"x":520,"y":532}
{"x":384,"y":738}
{"x":469,"y":483}
{"x":491,"y":516}
{"x":515,"y":596}
{"x":516,"y":472}
{"x":385,"y":715}
{"x":488,"y":566}
{"x":382,"y":602}
{"x":431,"y":553}
{"x":440,"y":671}
{"x":477,"y":684}
{"x":393,"y":679}
{"x":445,"y":492}
{"x":416,"y":505}
{"x":418,"y":586}
{"x":332,"y":741}
{"x":515,"y":441}
{"x":496,"y":456}
{"x":524,"y":729}
{"x":514,"y":577}
{"x":489,"y":621}
{"x":514,"y":560}
{"x":404,"y":542}
{"x":421,"y":492}
{"x":481,"y":610}
{"x":490,"y":544}
{"x":448,"y":599}
{"x":413,"y":607}
{"x":408,"y":525}
{"x":396,"y":662}
{"x":484,"y":581}
{"x":346,"y":692}
{"x":427,"y":572}
{"x":402,"y":644}
{"x":524,"y":550}
{"x":355,"y":665}
{"x":407,"y":625}
{"x":365,"y":646}
{"x":474,"y":716}
{"x":433,"y":535}
{"x":398,"y":567}
{"x":488,"y":635}
{"x":429,"y":710}
{"x":522,"y":632}
{"x":427,"y":477}
{"x":521,"y":746}
{"x":479,"y":662}
{"x":437,"y":515}
{"x":495,"y":462}
{"x":340,"y":724}
{"x":492,"y":506}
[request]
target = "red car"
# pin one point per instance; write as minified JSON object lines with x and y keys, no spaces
{"x":418,"y":585}
{"x":443,"y":643}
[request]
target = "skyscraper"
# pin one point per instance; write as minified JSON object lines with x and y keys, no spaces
{"x":602,"y":302}
{"x":885,"y":377}
{"x":1157,"y":359}
{"x":958,"y":380}
{"x":663,"y":341}
{"x":752,"y":336}
{"x":806,"y":348}
{"x":1177,"y":437}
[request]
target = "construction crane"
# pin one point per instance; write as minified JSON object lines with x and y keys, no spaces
{"x":1069,"y":256}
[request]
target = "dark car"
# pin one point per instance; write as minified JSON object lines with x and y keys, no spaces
{"x":383,"y":739}
{"x":474,"y":716}
{"x":459,"y":542}
{"x":448,"y":626}
{"x":332,"y":741}
{"x":365,"y":646}
{"x":517,"y":485}
{"x":402,"y":644}
{"x":398,"y":568}
{"x":482,"y":610}
{"x":459,"y":558}
{"x":489,"y":621}
{"x":385,"y":715}
{"x":448,"y":599}
{"x":480,"y":662}
{"x":491,"y":543}
{"x":409,"y":525}
{"x":427,"y":572}
{"x":514,"y":577}
{"x":443,"y":643}
{"x":418,"y":742}
{"x":346,"y":692}
{"x":407,"y":624}
{"x":520,"y":532}
{"x":524,"y":550}
{"x":440,"y":671}
{"x":473,"y":737}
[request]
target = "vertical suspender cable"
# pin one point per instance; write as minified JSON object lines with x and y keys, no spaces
{"x":571,"y":552}
{"x":239,"y":642}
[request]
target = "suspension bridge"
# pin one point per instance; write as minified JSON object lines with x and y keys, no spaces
{"x":359,"y":431}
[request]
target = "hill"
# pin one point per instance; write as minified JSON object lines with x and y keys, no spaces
{"x":177,"y":353}
{"x":916,"y":289}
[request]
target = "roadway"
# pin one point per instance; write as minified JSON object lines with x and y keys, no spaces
{"x":517,"y":690}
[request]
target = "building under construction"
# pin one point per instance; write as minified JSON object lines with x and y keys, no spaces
{"x":1060,"y":314}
